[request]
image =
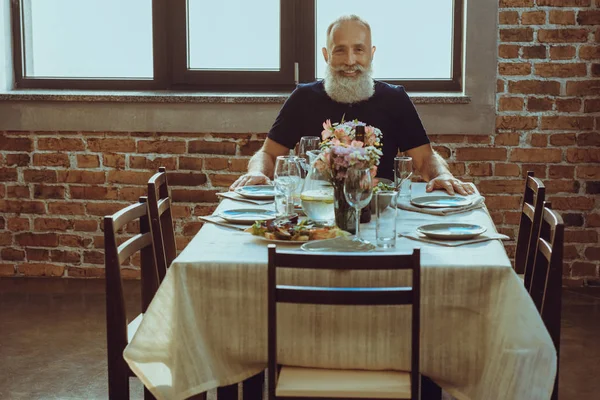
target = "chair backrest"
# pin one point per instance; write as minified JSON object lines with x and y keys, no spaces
{"x":344,"y":296}
{"x":529,"y":226}
{"x":161,"y":221}
{"x":115,"y":255}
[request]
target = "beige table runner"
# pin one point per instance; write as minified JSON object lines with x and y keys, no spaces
{"x":482,"y":337}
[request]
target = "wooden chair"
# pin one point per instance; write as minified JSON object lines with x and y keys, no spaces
{"x":304,"y":383}
{"x":118,"y":331}
{"x":529,"y":226}
{"x":161,"y":221}
{"x":546,"y":282}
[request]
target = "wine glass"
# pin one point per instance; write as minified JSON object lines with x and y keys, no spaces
{"x":403,"y":170}
{"x":307,"y":143}
{"x":287,"y":179}
{"x":358,"y":190}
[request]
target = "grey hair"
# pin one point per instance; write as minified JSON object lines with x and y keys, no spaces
{"x":346,"y":18}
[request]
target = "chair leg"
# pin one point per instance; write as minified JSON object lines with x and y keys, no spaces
{"x":429,"y":389}
{"x":228,"y":392}
{"x":253,"y":387}
{"x":118,"y":385}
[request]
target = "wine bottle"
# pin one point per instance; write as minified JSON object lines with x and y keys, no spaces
{"x":359,"y":133}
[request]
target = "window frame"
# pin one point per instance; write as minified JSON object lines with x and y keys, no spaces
{"x":298,"y":56}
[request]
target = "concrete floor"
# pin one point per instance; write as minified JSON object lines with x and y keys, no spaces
{"x":53,"y":343}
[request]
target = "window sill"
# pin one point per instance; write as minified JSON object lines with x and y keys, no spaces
{"x":191,"y":97}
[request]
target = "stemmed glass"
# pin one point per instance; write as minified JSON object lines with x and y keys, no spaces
{"x":358,"y":190}
{"x":287,"y":179}
{"x":307,"y":143}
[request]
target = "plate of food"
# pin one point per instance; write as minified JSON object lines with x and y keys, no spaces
{"x":257,"y":192}
{"x":441,"y":201}
{"x":291,"y":230}
{"x":451,"y":231}
{"x":247,"y":215}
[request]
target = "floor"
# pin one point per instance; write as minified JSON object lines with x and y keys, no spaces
{"x":52,"y":340}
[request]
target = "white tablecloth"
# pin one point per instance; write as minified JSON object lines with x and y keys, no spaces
{"x":481,"y":336}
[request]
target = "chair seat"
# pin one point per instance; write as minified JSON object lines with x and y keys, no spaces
{"x":133,"y":326}
{"x":314,"y":382}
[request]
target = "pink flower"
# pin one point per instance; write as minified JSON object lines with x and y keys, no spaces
{"x":357,"y":144}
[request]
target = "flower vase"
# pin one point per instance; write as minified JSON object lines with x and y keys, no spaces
{"x":345,"y":215}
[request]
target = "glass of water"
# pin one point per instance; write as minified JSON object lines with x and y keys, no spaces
{"x":403,"y":170}
{"x":287,"y":179}
{"x":385,"y":229}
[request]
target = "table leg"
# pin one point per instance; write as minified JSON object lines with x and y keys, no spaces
{"x":228,"y":392}
{"x":429,"y":389}
{"x":253,"y":387}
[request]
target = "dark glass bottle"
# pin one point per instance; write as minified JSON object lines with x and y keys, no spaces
{"x":359,"y":133}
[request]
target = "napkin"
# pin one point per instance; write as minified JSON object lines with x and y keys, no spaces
{"x":484,"y":237}
{"x":213,"y":219}
{"x":478,"y":201}
{"x":237,"y":197}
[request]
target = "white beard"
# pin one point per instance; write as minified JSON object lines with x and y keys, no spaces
{"x":344,"y":89}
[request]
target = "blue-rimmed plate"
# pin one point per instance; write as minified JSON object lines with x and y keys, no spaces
{"x":257,"y":192}
{"x":247,"y":215}
{"x":441,"y":201}
{"x":451,"y":231}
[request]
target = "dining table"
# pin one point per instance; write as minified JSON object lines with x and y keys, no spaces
{"x":481,"y":335}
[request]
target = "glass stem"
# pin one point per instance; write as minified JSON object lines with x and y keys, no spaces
{"x":289,"y":204}
{"x":357,"y":212}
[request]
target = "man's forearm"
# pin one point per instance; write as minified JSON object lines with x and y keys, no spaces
{"x":263,"y":163}
{"x":435,"y":166}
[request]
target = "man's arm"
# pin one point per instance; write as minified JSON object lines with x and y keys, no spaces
{"x":434,"y":169}
{"x":261,"y":165}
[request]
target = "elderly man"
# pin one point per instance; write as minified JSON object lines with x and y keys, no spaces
{"x":349,"y":91}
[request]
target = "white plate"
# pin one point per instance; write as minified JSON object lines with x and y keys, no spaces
{"x":339,"y":244}
{"x":247,"y":215}
{"x":451,"y":231}
{"x":441,"y":201}
{"x":257,"y":192}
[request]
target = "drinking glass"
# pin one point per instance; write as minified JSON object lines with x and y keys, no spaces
{"x":307,"y":143}
{"x":358,"y":190}
{"x":403,"y":170}
{"x":385,"y":228}
{"x":287,"y":179}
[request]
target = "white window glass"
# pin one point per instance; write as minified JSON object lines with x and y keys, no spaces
{"x":233,"y":34}
{"x":413,"y":38}
{"x":88,"y":38}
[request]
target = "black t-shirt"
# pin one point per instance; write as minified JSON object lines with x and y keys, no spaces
{"x":389,"y":109}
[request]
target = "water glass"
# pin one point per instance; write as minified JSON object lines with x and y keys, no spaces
{"x":307,"y":143}
{"x":385,"y":228}
{"x":287,"y":179}
{"x":403,"y":170}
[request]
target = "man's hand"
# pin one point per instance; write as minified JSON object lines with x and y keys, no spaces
{"x":450,"y":184}
{"x":251,"y":178}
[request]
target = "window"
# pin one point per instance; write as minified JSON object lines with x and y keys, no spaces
{"x":231,"y":45}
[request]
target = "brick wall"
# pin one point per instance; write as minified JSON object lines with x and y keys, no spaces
{"x":56,"y":186}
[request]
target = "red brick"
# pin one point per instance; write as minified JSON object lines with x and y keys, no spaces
{"x":506,"y":169}
{"x":76,"y":241}
{"x":130,"y":273}
{"x":500,"y":86}
{"x":583,"y":88}
{"x":516,"y":122}
{"x":77,"y":176}
{"x":570,"y":252}
{"x":534,"y":52}
{"x":562,"y":17}
{"x":588,"y":139}
{"x":592,"y":253}
{"x":191,"y":228}
{"x":114,"y":161}
{"x":6,"y":238}
{"x":102,"y":209}
{"x":584,"y":269}
{"x":480,"y":169}
{"x":223,"y":180}
{"x":206,"y":147}
{"x":85,"y":272}
{"x":478,"y":139}
{"x":18,"y":192}
{"x":93,"y":192}
{"x":442,"y":151}
{"x":533,"y":18}
{"x":507,"y":139}
{"x":564,"y":3}
{"x":480,"y":154}
{"x":568,"y":105}
{"x":561,"y":186}
{"x":593,"y":220}
{"x":516,"y":35}
{"x":51,"y":160}
{"x":510,"y":104}
{"x":38,"y":175}
{"x":591,"y":105}
{"x":562,"y":139}
{"x":578,"y":155}
{"x":52,"y":224}
{"x":66,"y":208}
{"x":562,"y":52}
{"x":82,"y":225}
{"x":562,"y":35}
{"x":191,"y":163}
{"x":11,"y":254}
{"x":22,"y":207}
{"x":194,"y":196}
{"x":60,"y":144}
{"x":538,"y":169}
{"x":539,"y":104}
{"x":170,"y":163}
{"x":34,"y":254}
{"x":7,"y":269}
{"x":182,"y":241}
{"x":514,"y":68}
{"x":560,"y":70}
{"x":588,"y":171}
{"x":39,"y":269}
{"x":111,"y":145}
{"x":536,"y":155}
{"x":534,"y":87}
{"x":589,"y":52}
{"x":204,"y":209}
{"x":516,"y":3}
{"x":508,"y":51}
{"x":132,"y":193}
{"x":65,"y":256}
{"x":15,"y":144}
{"x":18,"y":159}
{"x":596,"y":70}
{"x":509,"y":18}
{"x":567,"y":123}
{"x":561,"y":171}
{"x":503,"y":202}
{"x":161,"y":146}
{"x":37,"y":239}
{"x":250,"y":147}
{"x":581,"y":236}
{"x":128,"y":177}
{"x":216,"y":164}
{"x":538,"y":140}
{"x":572,"y":203}
{"x":17,"y":224}
{"x":588,"y":17}
{"x":186,"y":178}
{"x":457,"y":169}
{"x":87,"y":161}
{"x":93,"y":257}
{"x":48,"y":192}
{"x":501,"y":186}
{"x":8,"y":174}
